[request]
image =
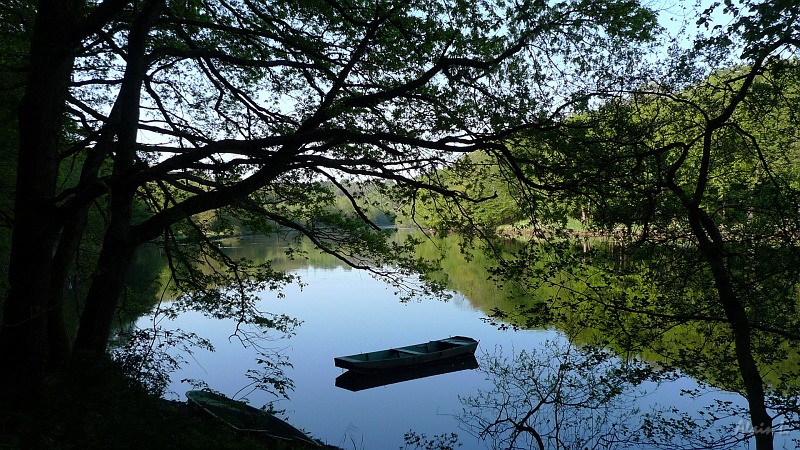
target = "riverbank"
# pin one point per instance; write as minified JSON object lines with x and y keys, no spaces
{"x":101,"y":409}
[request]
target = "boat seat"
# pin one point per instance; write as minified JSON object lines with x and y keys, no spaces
{"x":410,"y":352}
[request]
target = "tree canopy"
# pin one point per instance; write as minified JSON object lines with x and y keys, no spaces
{"x":147,"y":114}
{"x":700,"y":177}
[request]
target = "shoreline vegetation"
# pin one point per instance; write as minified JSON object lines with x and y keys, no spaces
{"x":104,"y":409}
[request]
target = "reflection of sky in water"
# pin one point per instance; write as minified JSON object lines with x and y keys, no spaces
{"x":346,"y":312}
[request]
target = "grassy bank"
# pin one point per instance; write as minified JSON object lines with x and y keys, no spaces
{"x":101,"y":409}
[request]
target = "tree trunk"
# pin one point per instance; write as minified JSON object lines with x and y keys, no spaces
{"x":712,"y":247}
{"x":23,"y":339}
{"x":108,"y":281}
{"x":59,"y":340}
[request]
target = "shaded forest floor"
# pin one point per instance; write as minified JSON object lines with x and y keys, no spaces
{"x":101,"y":409}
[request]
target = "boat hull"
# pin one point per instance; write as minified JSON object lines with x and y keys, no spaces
{"x":358,"y":381}
{"x":412,"y":355}
{"x":246,"y":419}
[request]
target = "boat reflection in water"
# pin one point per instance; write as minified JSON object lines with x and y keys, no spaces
{"x":357,"y":381}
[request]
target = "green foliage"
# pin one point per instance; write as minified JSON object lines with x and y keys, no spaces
{"x":484,"y":203}
{"x":696,"y":181}
{"x":13,"y":60}
{"x":756,"y":26}
{"x":147,"y":356}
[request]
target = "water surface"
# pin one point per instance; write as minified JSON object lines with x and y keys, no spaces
{"x":346,"y":311}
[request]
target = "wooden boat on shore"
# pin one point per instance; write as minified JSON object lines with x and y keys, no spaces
{"x":246,"y":419}
{"x":411,"y":355}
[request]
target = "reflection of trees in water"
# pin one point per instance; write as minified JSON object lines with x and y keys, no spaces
{"x":170,"y":283}
{"x":554,"y":397}
{"x":562,"y":397}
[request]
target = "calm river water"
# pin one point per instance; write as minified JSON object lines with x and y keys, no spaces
{"x":346,"y":311}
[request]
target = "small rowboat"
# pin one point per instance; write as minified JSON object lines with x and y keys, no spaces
{"x":411,"y":355}
{"x":358,"y":381}
{"x":245,"y":419}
